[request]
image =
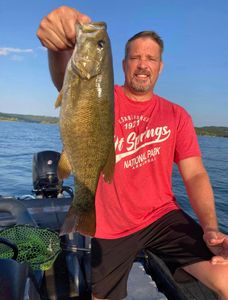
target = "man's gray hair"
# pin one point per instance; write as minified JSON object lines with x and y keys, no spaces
{"x":147,"y":34}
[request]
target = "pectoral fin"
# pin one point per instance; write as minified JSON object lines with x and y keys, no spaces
{"x":109,"y":167}
{"x":64,"y":167}
{"x":59,"y":99}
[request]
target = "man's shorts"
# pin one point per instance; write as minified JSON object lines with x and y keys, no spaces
{"x":176,"y":238}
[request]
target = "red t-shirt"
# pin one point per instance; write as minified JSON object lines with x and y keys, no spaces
{"x":149,"y":137}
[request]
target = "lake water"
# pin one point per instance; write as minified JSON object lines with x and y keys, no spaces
{"x":19,"y":141}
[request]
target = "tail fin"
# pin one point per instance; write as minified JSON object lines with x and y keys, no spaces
{"x":84,"y":223}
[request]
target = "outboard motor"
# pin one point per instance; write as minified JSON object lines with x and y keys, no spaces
{"x":44,"y":174}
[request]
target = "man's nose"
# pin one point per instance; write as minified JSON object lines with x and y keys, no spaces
{"x":142,"y":63}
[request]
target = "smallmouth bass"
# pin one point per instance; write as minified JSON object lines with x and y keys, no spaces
{"x":87,"y":123}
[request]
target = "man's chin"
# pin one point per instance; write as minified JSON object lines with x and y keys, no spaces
{"x":140,"y":88}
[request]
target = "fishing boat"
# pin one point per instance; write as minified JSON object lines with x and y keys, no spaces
{"x":69,"y":275}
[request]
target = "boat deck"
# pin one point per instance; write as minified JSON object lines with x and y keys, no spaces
{"x":149,"y":278}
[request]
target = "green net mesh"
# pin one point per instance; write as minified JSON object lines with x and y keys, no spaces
{"x":37,"y":246}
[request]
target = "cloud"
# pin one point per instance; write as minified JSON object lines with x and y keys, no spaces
{"x":8,"y":51}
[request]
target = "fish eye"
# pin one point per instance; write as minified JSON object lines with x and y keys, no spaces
{"x":101,"y":43}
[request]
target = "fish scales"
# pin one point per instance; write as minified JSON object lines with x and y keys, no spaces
{"x":86,"y":123}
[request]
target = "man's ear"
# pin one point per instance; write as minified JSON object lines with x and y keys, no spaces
{"x":123,"y":64}
{"x":161,"y":67}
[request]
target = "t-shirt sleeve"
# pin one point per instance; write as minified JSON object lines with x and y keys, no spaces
{"x":186,"y":139}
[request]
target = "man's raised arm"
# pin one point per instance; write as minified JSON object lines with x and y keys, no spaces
{"x":57,"y":33}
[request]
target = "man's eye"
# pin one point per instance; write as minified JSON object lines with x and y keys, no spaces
{"x":152,"y":59}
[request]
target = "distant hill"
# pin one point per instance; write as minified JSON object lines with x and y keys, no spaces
{"x":212,"y":131}
{"x":28,"y":118}
{"x":206,"y":130}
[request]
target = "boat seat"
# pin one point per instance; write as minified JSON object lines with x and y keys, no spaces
{"x":17,"y":210}
{"x":17,"y":281}
{"x":185,"y":287}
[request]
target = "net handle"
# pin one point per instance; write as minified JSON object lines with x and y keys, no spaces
{"x":11,"y":245}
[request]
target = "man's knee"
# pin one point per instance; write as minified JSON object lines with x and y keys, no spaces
{"x":213,"y":276}
{"x":220,"y":282}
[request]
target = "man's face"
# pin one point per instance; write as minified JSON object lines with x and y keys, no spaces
{"x":142,"y":66}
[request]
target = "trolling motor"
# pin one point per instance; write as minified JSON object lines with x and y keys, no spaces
{"x":46,"y":183}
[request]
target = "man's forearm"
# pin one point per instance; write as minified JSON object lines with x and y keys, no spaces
{"x":57,"y":65}
{"x":202,"y":200}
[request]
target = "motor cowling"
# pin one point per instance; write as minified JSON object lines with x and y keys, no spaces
{"x":44,"y":173}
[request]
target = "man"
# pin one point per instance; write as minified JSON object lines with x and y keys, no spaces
{"x":138,"y":209}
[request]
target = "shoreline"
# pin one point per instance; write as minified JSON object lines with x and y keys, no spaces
{"x":213,"y":131}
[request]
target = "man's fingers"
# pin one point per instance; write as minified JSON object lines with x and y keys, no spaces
{"x":213,"y":238}
{"x":217,"y":242}
{"x":54,"y":41}
{"x":225,"y":243}
{"x":219,"y":260}
{"x":57,"y":30}
{"x":69,"y":25}
{"x":83,"y":19}
{"x":69,"y":30}
{"x":214,"y":241}
{"x":68,"y":18}
{"x":54,"y":29}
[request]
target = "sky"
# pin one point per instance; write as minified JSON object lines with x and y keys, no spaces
{"x":195,"y":35}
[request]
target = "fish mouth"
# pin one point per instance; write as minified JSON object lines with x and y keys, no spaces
{"x":93,"y":26}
